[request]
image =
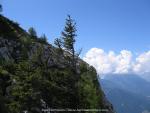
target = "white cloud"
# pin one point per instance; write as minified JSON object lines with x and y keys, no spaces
{"x":142,"y":64}
{"x":109,"y":62}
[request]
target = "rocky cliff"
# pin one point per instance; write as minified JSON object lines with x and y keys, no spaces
{"x":35,"y":75}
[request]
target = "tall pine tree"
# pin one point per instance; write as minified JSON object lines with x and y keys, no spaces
{"x":68,"y":36}
{"x":1,"y":8}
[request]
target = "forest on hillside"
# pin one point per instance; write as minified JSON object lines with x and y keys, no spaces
{"x":35,"y":75}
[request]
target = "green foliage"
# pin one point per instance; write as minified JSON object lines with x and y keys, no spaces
{"x":10,"y":29}
{"x":58,"y":43}
{"x":24,"y":92}
{"x":4,"y":80}
{"x":89,"y":93}
{"x":1,"y":8}
{"x":25,"y":47}
{"x":3,"y":108}
{"x":26,"y":41}
{"x":32,"y":33}
{"x":6,"y":31}
{"x":57,"y":89}
{"x":27,"y":82}
{"x":42,"y":39}
{"x":69,"y":34}
{"x":59,"y":46}
{"x":67,"y":41}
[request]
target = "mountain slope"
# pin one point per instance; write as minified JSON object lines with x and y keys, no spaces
{"x":128,"y":93}
{"x":130,"y":82}
{"x":36,"y":76}
{"x":10,"y":29}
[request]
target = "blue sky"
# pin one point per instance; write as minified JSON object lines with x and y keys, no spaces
{"x":107,"y":24}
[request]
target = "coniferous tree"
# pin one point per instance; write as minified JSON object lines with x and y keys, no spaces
{"x":43,"y":39}
{"x":68,"y":36}
{"x":1,"y":8}
{"x":32,"y":32}
{"x":58,"y":43}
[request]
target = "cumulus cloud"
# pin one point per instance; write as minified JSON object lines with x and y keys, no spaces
{"x":110,"y":62}
{"x":142,"y":64}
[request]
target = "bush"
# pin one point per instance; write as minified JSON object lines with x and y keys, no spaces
{"x":42,"y":39}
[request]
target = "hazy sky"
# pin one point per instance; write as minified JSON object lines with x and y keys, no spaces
{"x":108,"y":24}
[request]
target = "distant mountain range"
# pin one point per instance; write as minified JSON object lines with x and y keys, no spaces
{"x":128,"y":93}
{"x":146,"y":76}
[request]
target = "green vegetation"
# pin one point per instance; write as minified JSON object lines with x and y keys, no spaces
{"x":48,"y":77}
{"x":1,"y":8}
{"x":42,"y":39}
{"x":10,"y":29}
{"x":67,"y":41}
{"x":69,"y":34}
{"x":32,"y":33}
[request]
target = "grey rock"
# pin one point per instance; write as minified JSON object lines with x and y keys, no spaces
{"x":5,"y":54}
{"x":10,"y":49}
